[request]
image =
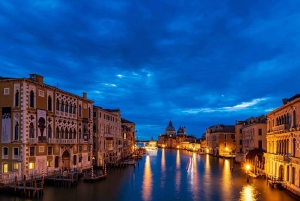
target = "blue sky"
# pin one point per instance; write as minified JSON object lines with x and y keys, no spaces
{"x":197,"y":63}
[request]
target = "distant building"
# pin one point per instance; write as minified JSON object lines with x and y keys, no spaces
{"x":282,"y":160}
{"x":43,"y":128}
{"x":179,"y":140}
{"x":220,"y":140}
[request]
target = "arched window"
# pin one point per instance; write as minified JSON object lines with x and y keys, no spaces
{"x":31,"y":131}
{"x":74,"y":159}
{"x":31,"y":100}
{"x":74,"y":109}
{"x":17,"y":98}
{"x":49,"y":132}
{"x":56,"y":162}
{"x":294,"y":118}
{"x":293,"y":175}
{"x":49,"y":103}
{"x":70,"y":134}
{"x":80,"y":134}
{"x":67,"y":107}
{"x":79,"y":110}
{"x":57,"y":104}
{"x":62,"y":106}
{"x":74,"y":134}
{"x":288,"y":173}
{"x":66,"y":134}
{"x":16,"y":136}
{"x":62,"y":134}
{"x":294,"y":147}
{"x":57,"y":133}
{"x":89,"y":112}
{"x":70,"y":109}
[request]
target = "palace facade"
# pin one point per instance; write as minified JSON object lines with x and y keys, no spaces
{"x":43,"y":128}
{"x":282,"y":160}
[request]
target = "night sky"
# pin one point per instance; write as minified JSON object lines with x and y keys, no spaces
{"x":197,"y":63}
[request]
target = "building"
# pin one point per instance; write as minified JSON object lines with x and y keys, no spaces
{"x":128,"y":129}
{"x":43,"y":128}
{"x":239,"y":153}
{"x":221,"y":140}
{"x":179,"y":140}
{"x":282,"y":160}
{"x":108,"y":138}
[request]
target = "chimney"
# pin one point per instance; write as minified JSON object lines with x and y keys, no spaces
{"x":38,"y":78}
{"x":284,"y":101}
{"x":84,"y":95}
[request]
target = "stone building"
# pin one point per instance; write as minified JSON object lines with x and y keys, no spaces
{"x":108,"y":139}
{"x":282,"y":160}
{"x":43,"y":128}
{"x":221,"y":140}
{"x":128,"y":129}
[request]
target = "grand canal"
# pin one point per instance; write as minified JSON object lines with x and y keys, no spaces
{"x":163,"y":175}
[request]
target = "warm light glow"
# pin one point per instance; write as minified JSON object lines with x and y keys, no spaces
{"x":207,"y":150}
{"x":31,"y":166}
{"x":226,"y":148}
{"x":247,"y":167}
{"x":177,"y":146}
{"x":5,"y":168}
{"x":248,"y":193}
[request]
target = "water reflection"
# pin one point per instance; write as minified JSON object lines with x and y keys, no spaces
{"x":226,"y":180}
{"x":195,"y":182}
{"x":163,"y":168}
{"x":147,"y":180}
{"x":248,"y":193}
{"x":178,"y":172}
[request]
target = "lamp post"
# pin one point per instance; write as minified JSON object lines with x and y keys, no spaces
{"x":247,"y":169}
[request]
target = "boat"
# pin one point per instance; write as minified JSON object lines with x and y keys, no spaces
{"x":95,"y":177}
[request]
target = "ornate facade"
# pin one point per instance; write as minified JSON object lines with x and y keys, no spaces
{"x":43,"y":128}
{"x":282,"y":160}
{"x":128,"y":129}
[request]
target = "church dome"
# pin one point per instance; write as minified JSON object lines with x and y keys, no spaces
{"x":170,"y":127}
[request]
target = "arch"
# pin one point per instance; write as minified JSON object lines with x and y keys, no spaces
{"x":281,"y":173}
{"x":17,"y":98}
{"x":294,"y":147}
{"x":293,"y":175}
{"x":31,"y":99}
{"x":31,"y":131}
{"x":49,"y":132}
{"x":294,"y":118}
{"x":287,"y":173}
{"x":57,"y":104}
{"x":66,"y":133}
{"x":66,"y":107}
{"x":57,"y":133}
{"x":49,"y":103}
{"x":62,"y":106}
{"x":16,"y":136}
{"x":56,"y":161}
{"x":66,"y":160}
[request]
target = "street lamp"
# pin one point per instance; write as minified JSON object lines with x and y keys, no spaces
{"x":247,"y":169}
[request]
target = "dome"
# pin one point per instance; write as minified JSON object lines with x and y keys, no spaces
{"x":170,"y":127}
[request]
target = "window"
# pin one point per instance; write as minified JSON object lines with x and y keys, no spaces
{"x":57,"y":133}
{"x":6,"y":91}
{"x":225,"y":136}
{"x":241,"y":150}
{"x":80,"y":149}
{"x":31,"y":165}
{"x":67,"y":108}
{"x":259,"y":143}
{"x":56,"y":161}
{"x":62,"y":106}
{"x":49,"y":163}
{"x":94,"y":114}
{"x":49,"y":132}
{"x":241,"y":142}
{"x":241,"y":131}
{"x":31,"y":131}
{"x":49,"y":103}
{"x":89,"y":110}
{"x":74,"y":109}
{"x":49,"y":150}
{"x":79,"y":110}
{"x":293,"y":175}
{"x":5,"y":153}
{"x":32,"y":151}
{"x":5,"y":168}
{"x":16,"y":153}
{"x":260,"y":131}
{"x":74,"y":160}
{"x":225,"y":144}
{"x":15,"y":166}
{"x":16,"y":133}
{"x":17,"y":98}
{"x":89,"y":148}
{"x":89,"y":158}
{"x":57,"y":104}
{"x":31,"y":99}
{"x":70,"y":109}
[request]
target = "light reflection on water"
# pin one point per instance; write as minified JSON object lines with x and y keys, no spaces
{"x":248,"y":193}
{"x":163,"y":169}
{"x":147,"y":181}
{"x":178,"y":173}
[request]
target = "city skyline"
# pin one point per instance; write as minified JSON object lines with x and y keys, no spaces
{"x":197,"y":64}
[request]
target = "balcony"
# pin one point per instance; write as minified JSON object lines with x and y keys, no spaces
{"x":83,"y":141}
{"x":110,"y":148}
{"x":16,"y":157}
{"x":67,"y":141}
{"x":282,"y":127}
{"x":32,"y":140}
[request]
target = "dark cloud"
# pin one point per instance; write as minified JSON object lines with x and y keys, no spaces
{"x":197,"y":63}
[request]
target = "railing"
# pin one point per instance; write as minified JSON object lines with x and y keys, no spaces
{"x":32,"y":140}
{"x":16,"y":157}
{"x":61,"y":141}
{"x":281,"y":127}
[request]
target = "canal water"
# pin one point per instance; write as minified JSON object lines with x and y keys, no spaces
{"x":168,"y":175}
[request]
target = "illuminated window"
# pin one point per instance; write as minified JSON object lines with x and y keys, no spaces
{"x":15,"y":166}
{"x":31,"y":165}
{"x":49,"y":163}
{"x":5,"y":168}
